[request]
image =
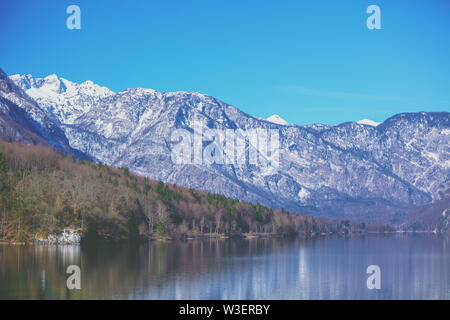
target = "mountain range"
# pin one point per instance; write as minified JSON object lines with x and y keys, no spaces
{"x":355,"y":170}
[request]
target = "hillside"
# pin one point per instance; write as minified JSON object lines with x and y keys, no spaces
{"x":431,"y":217}
{"x":43,"y":192}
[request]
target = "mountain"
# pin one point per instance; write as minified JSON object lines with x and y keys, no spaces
{"x":15,"y":124}
{"x":22,"y":120}
{"x":277,"y":119}
{"x":349,"y":171}
{"x":62,"y":100}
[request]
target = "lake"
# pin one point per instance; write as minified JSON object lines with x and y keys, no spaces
{"x":413,"y":266}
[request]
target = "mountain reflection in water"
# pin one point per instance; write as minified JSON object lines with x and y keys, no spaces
{"x":412,"y":267}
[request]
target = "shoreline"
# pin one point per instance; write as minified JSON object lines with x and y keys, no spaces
{"x":244,"y":236}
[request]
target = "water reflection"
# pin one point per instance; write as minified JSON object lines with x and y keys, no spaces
{"x":412,"y":267}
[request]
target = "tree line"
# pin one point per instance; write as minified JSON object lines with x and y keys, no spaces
{"x":43,"y":191}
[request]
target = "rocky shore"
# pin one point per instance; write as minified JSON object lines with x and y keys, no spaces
{"x":67,"y":237}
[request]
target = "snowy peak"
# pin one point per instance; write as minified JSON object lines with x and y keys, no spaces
{"x":50,"y":83}
{"x":25,"y":82}
{"x":277,"y":119}
{"x":368,"y":122}
{"x":60,"y":98}
{"x":54,"y":84}
{"x":23,"y":120}
{"x":90,"y":88}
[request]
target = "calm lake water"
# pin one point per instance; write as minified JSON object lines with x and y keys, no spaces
{"x":412,"y":267}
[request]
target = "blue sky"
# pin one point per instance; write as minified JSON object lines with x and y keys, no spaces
{"x":308,"y":61}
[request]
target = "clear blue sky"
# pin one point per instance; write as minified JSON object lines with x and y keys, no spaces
{"x":308,"y":61}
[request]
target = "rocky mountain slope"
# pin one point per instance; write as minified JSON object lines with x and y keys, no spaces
{"x":434,"y":216}
{"x":353,"y":170}
{"x":22,"y":120}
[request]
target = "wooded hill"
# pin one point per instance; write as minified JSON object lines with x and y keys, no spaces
{"x":43,"y":192}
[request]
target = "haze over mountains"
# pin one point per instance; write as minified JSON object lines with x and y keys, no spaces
{"x":355,"y":170}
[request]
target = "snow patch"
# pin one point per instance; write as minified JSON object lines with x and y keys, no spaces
{"x":277,"y":119}
{"x":368,"y":122}
{"x":303,"y":194}
{"x":431,"y":155}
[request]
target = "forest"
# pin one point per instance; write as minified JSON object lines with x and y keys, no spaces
{"x":43,"y":191}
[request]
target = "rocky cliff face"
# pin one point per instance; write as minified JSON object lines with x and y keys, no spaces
{"x":353,"y":170}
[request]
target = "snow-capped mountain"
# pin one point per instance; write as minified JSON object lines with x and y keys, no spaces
{"x":22,"y":120}
{"x":368,"y":122}
{"x":353,"y":170}
{"x":277,"y":119}
{"x":61,"y":99}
